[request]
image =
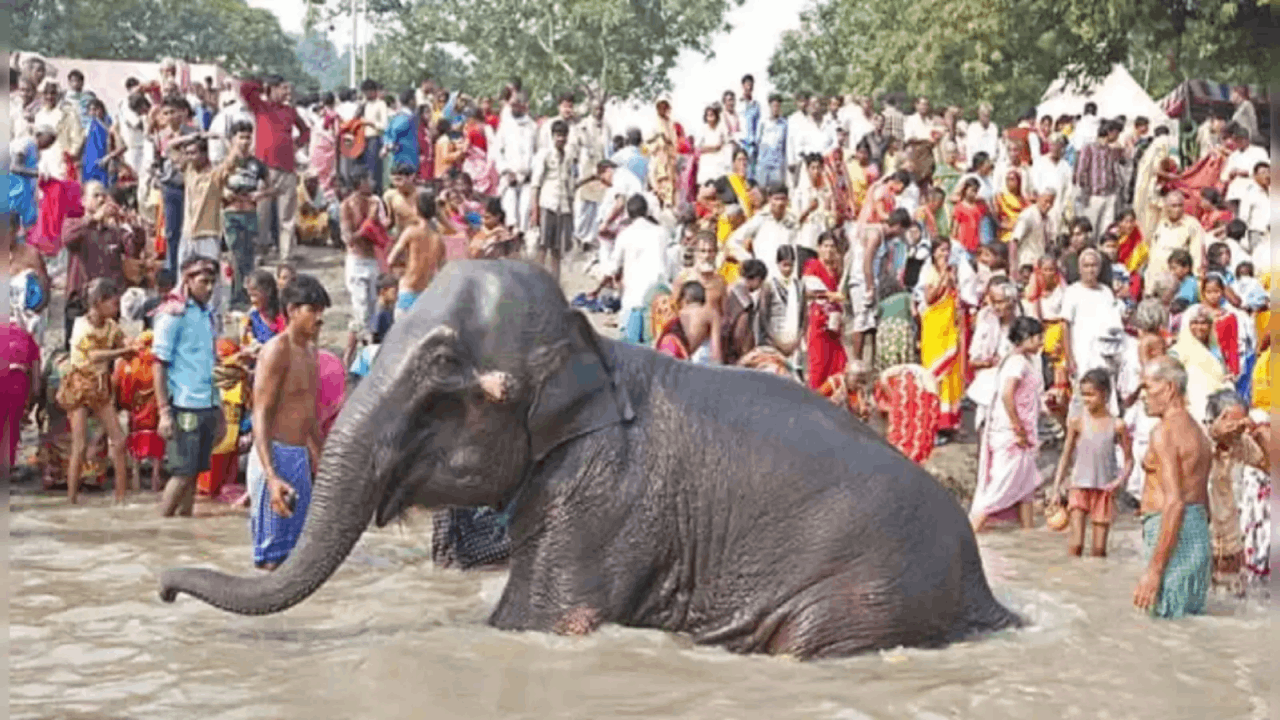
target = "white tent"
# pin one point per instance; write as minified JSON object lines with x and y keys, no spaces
{"x":1117,"y":94}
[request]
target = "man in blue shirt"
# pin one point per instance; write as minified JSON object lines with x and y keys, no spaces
{"x":401,"y":137}
{"x":191,"y":418}
{"x":750,"y":124}
{"x":771,"y":158}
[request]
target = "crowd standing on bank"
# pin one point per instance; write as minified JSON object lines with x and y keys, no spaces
{"x":906,"y":265}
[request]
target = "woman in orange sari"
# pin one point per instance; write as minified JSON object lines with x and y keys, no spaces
{"x":1009,"y":204}
{"x":135,"y":383}
{"x":940,"y":337}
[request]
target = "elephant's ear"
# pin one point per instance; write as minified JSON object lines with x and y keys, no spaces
{"x":578,"y":394}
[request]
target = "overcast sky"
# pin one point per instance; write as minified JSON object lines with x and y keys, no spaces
{"x":757,"y":27}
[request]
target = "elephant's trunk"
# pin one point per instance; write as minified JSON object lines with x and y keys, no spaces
{"x":343,"y":499}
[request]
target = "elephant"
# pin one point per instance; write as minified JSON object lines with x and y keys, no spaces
{"x":732,"y":506}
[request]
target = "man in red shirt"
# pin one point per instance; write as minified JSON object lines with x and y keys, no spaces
{"x":274,"y":120}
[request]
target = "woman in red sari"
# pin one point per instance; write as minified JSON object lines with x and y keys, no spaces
{"x":475,"y":151}
{"x":967,"y":215}
{"x":826,"y":320}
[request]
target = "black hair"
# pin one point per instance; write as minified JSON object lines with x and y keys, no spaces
{"x":1216,"y":279}
{"x":176,"y":102}
{"x":979,"y":159}
{"x":194,"y":260}
{"x":899,"y":218}
{"x":358,"y":175}
{"x":1236,"y":229}
{"x":443,"y":127}
{"x":494,"y":208}
{"x":1179,"y":306}
{"x":777,"y":189}
{"x":1024,"y":328}
{"x":96,"y":103}
{"x":747,"y":77}
{"x":786,"y":253}
{"x":139,"y":104}
{"x":634,"y":137}
{"x":265,"y":281}
{"x":1126,"y":213}
{"x":637,"y":206}
{"x":828,"y":235}
{"x":426,"y":203}
{"x":408,"y":98}
{"x":1099,"y":379}
{"x":566,"y":97}
{"x":1217,"y":247}
{"x":1261,"y":164}
{"x":775,"y":97}
{"x":100,"y":289}
{"x":131,"y":82}
{"x":328,"y":98}
{"x":403,"y":169}
{"x":165,"y":279}
{"x":560,"y":127}
{"x":1244,"y":269}
{"x":1082,"y":223}
{"x":1212,"y":196}
{"x":694,"y":293}
{"x":305,"y":290}
{"x":1000,"y":254}
{"x":1180,"y":257}
{"x":387,"y":280}
{"x":1091,"y":108}
{"x":368,"y":84}
{"x":241,"y":126}
{"x":390,"y":100}
{"x":754,"y":269}
{"x":75,"y":74}
{"x":347,"y":94}
{"x":714,"y":110}
{"x":1159,"y":131}
{"x":902,"y":176}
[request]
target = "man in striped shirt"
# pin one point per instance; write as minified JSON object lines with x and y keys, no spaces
{"x":1098,"y":177}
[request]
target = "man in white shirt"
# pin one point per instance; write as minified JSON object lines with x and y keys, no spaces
{"x":1033,"y":233}
{"x":981,"y":135}
{"x":232,"y":112}
{"x":1255,"y":207}
{"x":1237,"y":172}
{"x":65,"y":120}
{"x":767,"y":230}
{"x":375,"y":124}
{"x":1052,"y":173}
{"x":639,"y":258}
{"x":918,"y":126}
{"x":565,"y":113}
{"x":618,"y":186}
{"x":1086,"y":130}
{"x":804,"y":136}
{"x":1090,"y":311}
{"x":513,"y":156}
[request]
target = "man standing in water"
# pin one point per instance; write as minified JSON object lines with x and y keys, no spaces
{"x":426,"y":251}
{"x":286,"y":433}
{"x":1175,"y":497}
{"x":191,"y":418}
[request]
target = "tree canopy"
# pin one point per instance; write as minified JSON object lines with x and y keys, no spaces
{"x":242,"y":39}
{"x":594,"y":47}
{"x":1006,"y":52}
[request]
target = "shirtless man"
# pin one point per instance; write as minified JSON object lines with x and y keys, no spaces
{"x":400,"y":198}
{"x":696,"y":336}
{"x":1175,"y":497}
{"x":704,"y":273}
{"x":361,"y":272}
{"x":23,"y":258}
{"x":426,"y":250}
{"x":286,"y":433}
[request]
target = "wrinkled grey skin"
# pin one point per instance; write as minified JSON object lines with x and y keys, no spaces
{"x":727,"y":504}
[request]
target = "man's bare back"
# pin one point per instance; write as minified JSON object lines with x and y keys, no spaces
{"x":1177,"y":443}
{"x":711,"y":282}
{"x":285,"y":390}
{"x":701,"y":324}
{"x":425,"y":255}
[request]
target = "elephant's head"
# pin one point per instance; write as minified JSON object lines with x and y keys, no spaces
{"x":490,"y":372}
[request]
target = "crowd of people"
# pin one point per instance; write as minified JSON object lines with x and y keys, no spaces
{"x":1048,"y":275}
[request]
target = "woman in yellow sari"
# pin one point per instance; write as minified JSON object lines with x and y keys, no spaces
{"x":1009,"y":204}
{"x":731,"y":216}
{"x":940,"y":337}
{"x":1197,"y":350}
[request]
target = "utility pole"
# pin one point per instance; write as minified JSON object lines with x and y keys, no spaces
{"x":355,"y":26}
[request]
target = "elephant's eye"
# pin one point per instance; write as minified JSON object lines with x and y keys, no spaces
{"x":445,"y":363}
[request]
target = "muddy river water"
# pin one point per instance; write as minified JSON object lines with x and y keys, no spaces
{"x":390,"y":636}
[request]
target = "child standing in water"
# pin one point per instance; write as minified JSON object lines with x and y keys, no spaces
{"x":1092,"y":436}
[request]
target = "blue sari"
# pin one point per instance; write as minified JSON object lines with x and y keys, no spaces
{"x":21,"y":197}
{"x":96,"y":142}
{"x":258,"y":327}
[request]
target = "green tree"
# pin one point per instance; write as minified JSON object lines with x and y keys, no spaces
{"x":242,"y":39}
{"x":595,"y":47}
{"x":1008,"y":51}
{"x":321,"y":60}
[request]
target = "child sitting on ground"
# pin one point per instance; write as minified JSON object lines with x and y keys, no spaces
{"x":1092,"y":437}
